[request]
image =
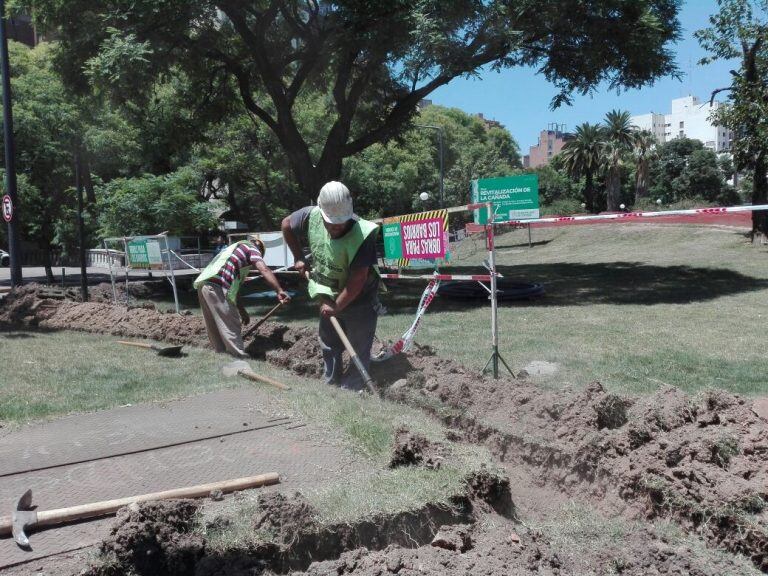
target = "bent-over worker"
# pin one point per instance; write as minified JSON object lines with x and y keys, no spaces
{"x":218,"y":289}
{"x":343,"y":277}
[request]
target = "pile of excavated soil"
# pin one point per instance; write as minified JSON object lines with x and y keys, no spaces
{"x":152,"y":539}
{"x":36,"y":306}
{"x":411,"y":449}
{"x":700,"y":459}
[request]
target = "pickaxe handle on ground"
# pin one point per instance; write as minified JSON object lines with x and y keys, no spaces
{"x":255,"y":327}
{"x":355,"y":358}
{"x":23,"y":518}
{"x":251,"y":375}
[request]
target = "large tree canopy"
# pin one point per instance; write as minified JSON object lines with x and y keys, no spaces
{"x":740,"y":31}
{"x":375,"y":60}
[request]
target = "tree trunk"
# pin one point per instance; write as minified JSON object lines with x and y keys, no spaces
{"x":589,"y":193}
{"x":760,"y":196}
{"x":613,"y":185}
{"x":47,"y":264}
{"x":641,"y":183}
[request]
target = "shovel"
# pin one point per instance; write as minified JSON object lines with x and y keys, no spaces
{"x":353,"y":355}
{"x":168,"y":351}
{"x":241,"y":368}
{"x":253,"y":328}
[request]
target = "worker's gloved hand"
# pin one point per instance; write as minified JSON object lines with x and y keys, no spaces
{"x":245,"y":318}
{"x":283,"y":297}
{"x":327,"y":310}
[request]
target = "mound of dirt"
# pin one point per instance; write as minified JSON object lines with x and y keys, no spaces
{"x":152,"y":538}
{"x":299,"y":352}
{"x":285,"y":519}
{"x":36,"y":306}
{"x":415,"y":450}
{"x":699,"y":459}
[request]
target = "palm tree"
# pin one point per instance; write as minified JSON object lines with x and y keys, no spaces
{"x":644,"y":150}
{"x":612,"y":155}
{"x":581,"y":157}
{"x":619,"y":137}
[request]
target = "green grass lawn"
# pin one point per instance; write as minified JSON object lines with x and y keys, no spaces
{"x":635,"y":306}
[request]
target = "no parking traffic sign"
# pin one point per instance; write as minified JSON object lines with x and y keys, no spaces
{"x":7,"y":208}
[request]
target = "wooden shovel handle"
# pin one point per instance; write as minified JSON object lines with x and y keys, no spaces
{"x":74,"y":513}
{"x":355,"y":358}
{"x":137,"y":344}
{"x":253,"y":328}
{"x":251,"y":375}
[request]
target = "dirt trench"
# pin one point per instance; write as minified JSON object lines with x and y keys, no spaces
{"x":165,"y":538}
{"x":699,"y":460}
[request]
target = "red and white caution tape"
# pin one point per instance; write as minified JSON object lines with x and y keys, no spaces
{"x":478,"y":277}
{"x":630,"y":215}
{"x":405,"y":343}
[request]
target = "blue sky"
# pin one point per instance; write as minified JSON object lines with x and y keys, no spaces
{"x":520,"y":99}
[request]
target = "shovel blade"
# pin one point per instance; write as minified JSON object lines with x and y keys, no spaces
{"x":170,"y":351}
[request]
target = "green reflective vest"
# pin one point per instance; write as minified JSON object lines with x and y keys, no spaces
{"x":331,"y":257}
{"x":217,"y":264}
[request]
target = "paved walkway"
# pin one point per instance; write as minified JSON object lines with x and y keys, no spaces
{"x":202,"y":439}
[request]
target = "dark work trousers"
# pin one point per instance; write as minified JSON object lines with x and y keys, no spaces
{"x":359,"y":324}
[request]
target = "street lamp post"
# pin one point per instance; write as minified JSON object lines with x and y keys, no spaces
{"x":439,"y":130}
{"x":9,"y":204}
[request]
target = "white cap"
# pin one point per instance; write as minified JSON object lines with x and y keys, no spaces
{"x":335,"y":203}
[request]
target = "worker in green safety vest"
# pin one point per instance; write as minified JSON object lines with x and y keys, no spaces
{"x":343,"y":277}
{"x":218,"y":289}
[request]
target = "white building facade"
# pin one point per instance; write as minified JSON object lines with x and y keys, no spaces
{"x":689,"y":119}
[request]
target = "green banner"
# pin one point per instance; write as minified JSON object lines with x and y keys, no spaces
{"x":393,"y":243}
{"x":513,"y":197}
{"x":137,"y":253}
{"x":143,"y":252}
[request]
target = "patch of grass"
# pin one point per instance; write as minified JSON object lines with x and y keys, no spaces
{"x":51,"y":374}
{"x":582,"y":534}
{"x":634,"y":306}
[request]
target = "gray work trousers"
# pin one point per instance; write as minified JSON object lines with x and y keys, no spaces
{"x":359,"y":324}
{"x":222,"y":320}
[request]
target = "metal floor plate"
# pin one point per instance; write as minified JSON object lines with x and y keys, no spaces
{"x":299,"y":455}
{"x":128,"y":429}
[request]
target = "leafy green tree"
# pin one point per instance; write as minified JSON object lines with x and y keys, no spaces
{"x":153,"y":204}
{"x":581,"y":157}
{"x":46,"y":131}
{"x":740,"y":31}
{"x":389,"y":177}
{"x":619,"y":137}
{"x":556,"y":186}
{"x":685,"y":169}
{"x":373,"y":61}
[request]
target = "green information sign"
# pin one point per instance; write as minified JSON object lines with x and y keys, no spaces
{"x":144,"y":251}
{"x":137,"y":253}
{"x":393,"y":244}
{"x":513,"y":197}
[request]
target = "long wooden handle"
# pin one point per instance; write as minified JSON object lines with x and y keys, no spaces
{"x":255,"y":327}
{"x":251,"y":375}
{"x":74,"y":513}
{"x":355,"y":359}
{"x":137,"y":344}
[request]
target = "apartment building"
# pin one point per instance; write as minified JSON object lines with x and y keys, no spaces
{"x":551,"y":141}
{"x":690,"y":118}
